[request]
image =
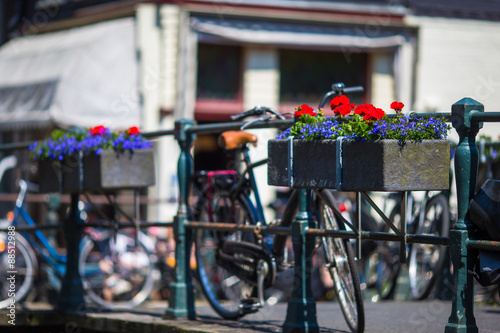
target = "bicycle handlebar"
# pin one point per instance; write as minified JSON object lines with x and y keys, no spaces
{"x":339,"y":89}
{"x":257,"y":111}
{"x":261,"y":111}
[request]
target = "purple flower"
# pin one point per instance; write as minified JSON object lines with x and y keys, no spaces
{"x":62,"y":144}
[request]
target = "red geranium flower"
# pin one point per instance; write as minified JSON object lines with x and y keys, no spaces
{"x":338,"y":101}
{"x":376,"y":114}
{"x":397,"y":106}
{"x":363,"y":109}
{"x":344,"y":110}
{"x":304,"y":109}
{"x":369,"y":112}
{"x":98,"y":130}
{"x":134,"y":130}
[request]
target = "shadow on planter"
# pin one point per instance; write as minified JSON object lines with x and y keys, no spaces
{"x":50,"y":176}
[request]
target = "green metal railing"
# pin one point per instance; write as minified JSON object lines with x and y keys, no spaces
{"x":467,"y":116}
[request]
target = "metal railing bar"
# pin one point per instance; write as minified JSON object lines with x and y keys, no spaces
{"x":484,"y":245}
{"x":485,"y":116}
{"x":156,"y":134}
{"x":216,"y":128}
{"x":368,"y":235}
{"x":381,"y":214}
{"x":382,"y":236}
{"x":143,"y":225}
{"x":232,"y":227}
{"x":34,"y":228}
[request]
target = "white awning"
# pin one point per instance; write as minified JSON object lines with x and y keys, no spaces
{"x":274,"y":33}
{"x":83,"y":77}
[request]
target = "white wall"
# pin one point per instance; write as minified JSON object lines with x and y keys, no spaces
{"x":261,"y":81}
{"x":169,"y":36}
{"x":158,"y":48}
{"x":382,"y":79}
{"x":456,"y":59}
{"x":148,"y":45}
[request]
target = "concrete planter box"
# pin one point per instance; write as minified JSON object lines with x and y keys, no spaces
{"x":60,"y":176}
{"x":107,"y":171}
{"x":110,"y":170}
{"x":361,"y":166}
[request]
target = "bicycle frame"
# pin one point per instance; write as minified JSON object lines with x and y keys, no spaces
{"x":253,"y":184}
{"x":246,"y":176}
{"x":42,"y":247}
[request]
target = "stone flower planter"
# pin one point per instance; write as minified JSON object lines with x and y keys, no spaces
{"x":110,"y":170}
{"x":383,"y":165}
{"x":107,"y":171}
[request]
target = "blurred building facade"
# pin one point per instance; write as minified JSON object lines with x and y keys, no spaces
{"x":205,"y":60}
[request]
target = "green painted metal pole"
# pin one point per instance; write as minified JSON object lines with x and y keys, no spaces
{"x":181,"y":300}
{"x":71,"y":296}
{"x":301,"y":310}
{"x":466,"y":164}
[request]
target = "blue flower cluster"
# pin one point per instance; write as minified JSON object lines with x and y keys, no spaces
{"x":409,"y":128}
{"x":328,"y":129}
{"x":130,"y":142}
{"x":401,"y":128}
{"x":62,"y":144}
{"x":55,"y":149}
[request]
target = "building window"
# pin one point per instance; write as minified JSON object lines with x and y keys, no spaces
{"x":218,"y":71}
{"x":218,"y":89}
{"x":307,"y":75}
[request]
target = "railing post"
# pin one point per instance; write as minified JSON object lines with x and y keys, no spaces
{"x":71,"y":296}
{"x":301,"y":310}
{"x":181,"y":300}
{"x":466,"y":164}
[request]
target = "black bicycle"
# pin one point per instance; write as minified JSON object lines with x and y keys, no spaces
{"x":236,"y":268}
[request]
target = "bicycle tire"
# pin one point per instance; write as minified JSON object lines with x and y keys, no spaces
{"x":26,"y":268}
{"x":223,"y":290}
{"x":341,"y":264}
{"x":426,"y":260}
{"x":117,"y":273}
{"x":388,"y":264}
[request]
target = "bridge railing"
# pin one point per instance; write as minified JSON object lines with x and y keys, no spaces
{"x":466,"y":116}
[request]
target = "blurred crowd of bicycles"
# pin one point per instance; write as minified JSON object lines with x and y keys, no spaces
{"x":121,"y":268}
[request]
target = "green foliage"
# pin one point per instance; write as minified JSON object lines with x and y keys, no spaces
{"x":356,"y":127}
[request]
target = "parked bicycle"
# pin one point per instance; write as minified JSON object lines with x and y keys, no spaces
{"x":234,"y":267}
{"x":429,"y":215}
{"x":117,"y":268}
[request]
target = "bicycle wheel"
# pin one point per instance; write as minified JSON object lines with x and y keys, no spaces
{"x":225,"y":291}
{"x":341,"y":264}
{"x":117,"y":272}
{"x":388,"y":261}
{"x":25,"y":267}
{"x":427,"y":260}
